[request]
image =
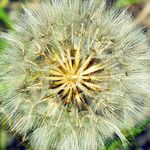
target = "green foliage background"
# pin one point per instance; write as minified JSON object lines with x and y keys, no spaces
{"x":122,"y":3}
{"x":4,"y":19}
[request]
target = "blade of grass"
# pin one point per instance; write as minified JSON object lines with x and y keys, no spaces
{"x":3,"y":139}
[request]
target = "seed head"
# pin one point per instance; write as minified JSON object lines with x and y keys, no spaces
{"x":76,"y":74}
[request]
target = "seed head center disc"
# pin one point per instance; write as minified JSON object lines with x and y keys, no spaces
{"x":75,"y":78}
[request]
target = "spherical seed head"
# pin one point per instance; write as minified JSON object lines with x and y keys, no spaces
{"x":76,"y":74}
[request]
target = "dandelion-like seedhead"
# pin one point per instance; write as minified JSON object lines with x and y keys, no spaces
{"x":76,"y":74}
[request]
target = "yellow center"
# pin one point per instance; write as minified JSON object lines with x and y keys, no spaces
{"x":74,"y":79}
